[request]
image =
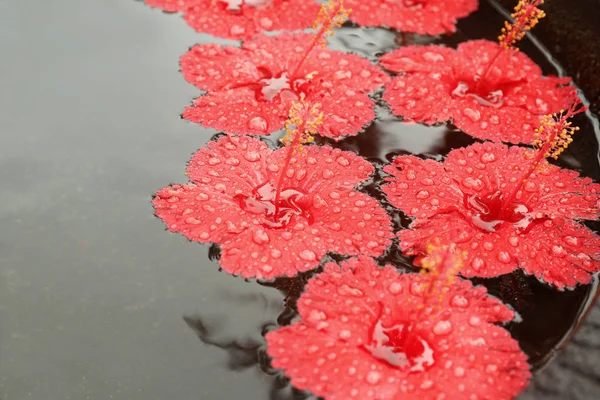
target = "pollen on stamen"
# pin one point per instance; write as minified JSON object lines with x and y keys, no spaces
{"x":525,"y":17}
{"x":555,"y":132}
{"x":331,"y":15}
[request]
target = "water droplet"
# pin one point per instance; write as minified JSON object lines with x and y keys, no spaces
{"x":395,"y":288}
{"x":477,"y":264}
{"x":459,"y":371}
{"x":473,"y":115}
{"x":237,"y":30}
{"x":192,"y":221}
{"x":427,"y":181}
{"x":213,"y":161}
{"x":275,"y":253}
{"x":373,"y":377}
{"x":433,"y":57}
{"x":328,"y":174}
{"x":345,"y":334}
{"x":252,"y":156}
{"x":487,"y":157}
{"x":343,"y":161}
{"x":422,"y":194}
{"x":504,"y":257}
{"x":460,"y":301}
{"x":571,"y":240}
{"x":260,"y":237}
{"x":475,"y":321}
{"x":308,"y":255}
{"x":204,"y":236}
{"x":258,"y":124}
{"x":514,"y":241}
{"x":365,"y":73}
{"x":427,"y":384}
{"x":442,"y":328}
{"x":266,"y":23}
{"x":488,"y":246}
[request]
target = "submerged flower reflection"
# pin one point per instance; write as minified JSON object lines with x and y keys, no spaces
{"x":425,"y":17}
{"x":242,"y":19}
{"x":371,"y":333}
{"x":504,"y":102}
{"x":251,"y":89}
{"x":477,"y":199}
{"x":232,"y":201}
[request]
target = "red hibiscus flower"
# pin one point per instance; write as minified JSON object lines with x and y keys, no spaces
{"x":478,"y":199}
{"x":440,"y":84}
{"x":372,"y":333}
{"x":251,"y":89}
{"x":242,"y":19}
{"x":231,"y":201}
{"x":425,"y":17}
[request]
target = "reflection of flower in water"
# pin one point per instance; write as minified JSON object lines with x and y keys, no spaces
{"x":425,"y":17}
{"x":232,"y":201}
{"x":477,"y":199}
{"x":440,"y":84}
{"x":371,"y":333}
{"x":242,"y":19}
{"x":251,"y":89}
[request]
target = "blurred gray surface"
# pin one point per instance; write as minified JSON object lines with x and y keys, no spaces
{"x":92,"y":290}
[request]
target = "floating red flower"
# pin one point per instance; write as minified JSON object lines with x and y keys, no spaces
{"x":369,"y":333}
{"x":232,"y":202}
{"x":251,"y":89}
{"x":470,"y":200}
{"x":242,"y":19}
{"x":440,"y":84}
{"x":425,"y":17}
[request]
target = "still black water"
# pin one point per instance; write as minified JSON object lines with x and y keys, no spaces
{"x":97,"y":301}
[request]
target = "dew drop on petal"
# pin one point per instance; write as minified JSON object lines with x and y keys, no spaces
{"x":477,"y":264}
{"x":266,"y":23}
{"x":373,"y":377}
{"x":258,"y":124}
{"x":423,"y":194}
{"x":459,"y":371}
{"x":328,"y":174}
{"x":260,"y":237}
{"x":459,"y":301}
{"x":237,"y":30}
{"x":252,"y":156}
{"x":343,"y":161}
{"x":275,"y":253}
{"x":395,"y":288}
{"x":504,"y":257}
{"x":442,"y":328}
{"x":308,"y":255}
{"x":473,"y":115}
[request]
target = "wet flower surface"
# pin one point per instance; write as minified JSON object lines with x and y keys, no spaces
{"x":232,"y":202}
{"x":242,"y":19}
{"x":440,"y":84}
{"x":425,"y":17}
{"x":371,"y":333}
{"x":465,"y":200}
{"x":250,"y":89}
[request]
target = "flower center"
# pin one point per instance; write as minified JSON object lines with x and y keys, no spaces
{"x":235,"y":6}
{"x":400,"y":347}
{"x":490,"y":211}
{"x":288,"y":89}
{"x":292,"y":202}
{"x":485,"y":97}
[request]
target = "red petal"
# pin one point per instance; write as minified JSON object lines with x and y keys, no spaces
{"x":562,"y":253}
{"x":238,"y":111}
{"x":231,"y":165}
{"x":422,"y":97}
{"x":420,"y":59}
{"x":432,"y":17}
{"x":339,"y":82}
{"x":197,"y":212}
{"x":432,"y":74}
{"x":171,"y":5}
{"x":324,"y":352}
{"x":321,"y":169}
{"x":421,"y":187}
{"x":488,"y":254}
{"x":213,"y":18}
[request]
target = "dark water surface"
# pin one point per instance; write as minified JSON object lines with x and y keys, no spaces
{"x":93,"y":291}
